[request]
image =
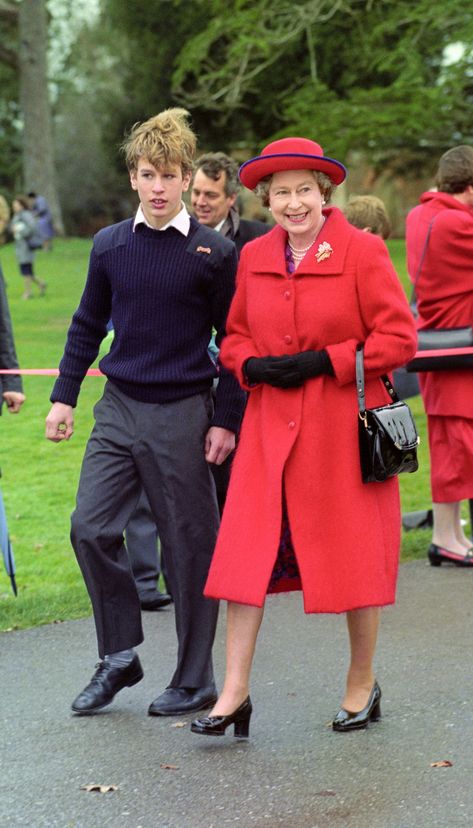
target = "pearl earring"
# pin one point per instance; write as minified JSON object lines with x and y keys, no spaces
{"x":323,"y":201}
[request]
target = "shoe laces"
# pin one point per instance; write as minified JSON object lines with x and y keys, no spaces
{"x":101,"y":666}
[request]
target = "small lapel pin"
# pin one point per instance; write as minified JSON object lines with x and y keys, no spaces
{"x":324,"y":251}
{"x":204,"y":249}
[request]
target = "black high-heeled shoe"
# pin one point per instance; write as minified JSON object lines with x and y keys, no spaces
{"x":439,"y":555}
{"x":344,"y":720}
{"x":217,"y":725}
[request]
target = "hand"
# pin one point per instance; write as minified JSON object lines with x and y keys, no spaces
{"x":60,"y":422}
{"x":269,"y":369}
{"x":312,"y":364}
{"x":14,"y":400}
{"x":219,"y":442}
{"x":288,"y":371}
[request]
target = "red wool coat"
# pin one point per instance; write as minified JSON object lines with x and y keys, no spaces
{"x":444,"y":290}
{"x":345,"y":533}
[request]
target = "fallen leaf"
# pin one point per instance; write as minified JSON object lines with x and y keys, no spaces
{"x":179,"y":724}
{"x":445,"y":763}
{"x":169,"y":767}
{"x":99,"y":788}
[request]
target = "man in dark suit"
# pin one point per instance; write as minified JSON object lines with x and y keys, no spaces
{"x":214,"y":195}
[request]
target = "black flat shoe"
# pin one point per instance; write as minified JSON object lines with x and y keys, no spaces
{"x":439,"y":555}
{"x":344,"y":720}
{"x":217,"y":725}
{"x":105,"y":684}
{"x":155,"y":601}
{"x":177,"y":701}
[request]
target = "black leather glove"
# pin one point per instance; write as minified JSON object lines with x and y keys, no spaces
{"x":289,"y":371}
{"x":313,"y":364}
{"x":265,"y":369}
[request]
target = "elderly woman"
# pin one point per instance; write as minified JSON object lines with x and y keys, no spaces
{"x":297,"y":513}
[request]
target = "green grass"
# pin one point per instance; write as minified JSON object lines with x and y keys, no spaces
{"x":40,"y":478}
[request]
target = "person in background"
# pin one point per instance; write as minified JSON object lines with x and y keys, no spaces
{"x":368,"y":213}
{"x":298,"y":514}
{"x":43,"y":215}
{"x":214,"y":196}
{"x":156,"y":427}
{"x":23,"y":228}
{"x":10,"y":384}
{"x":142,"y":544}
{"x":439,"y":241}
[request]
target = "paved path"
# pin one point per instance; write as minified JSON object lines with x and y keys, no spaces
{"x":294,"y":771}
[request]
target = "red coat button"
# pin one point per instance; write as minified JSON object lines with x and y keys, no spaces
{"x":291,"y":424}
{"x":287,"y":294}
{"x":288,"y":339}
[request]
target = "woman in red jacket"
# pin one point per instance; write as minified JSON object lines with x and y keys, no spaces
{"x":297,"y":513}
{"x":439,"y":240}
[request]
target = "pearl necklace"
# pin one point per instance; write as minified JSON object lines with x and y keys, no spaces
{"x":299,"y":253}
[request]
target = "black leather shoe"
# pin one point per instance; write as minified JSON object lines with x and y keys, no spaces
{"x":217,"y":725}
{"x":154,"y":600}
{"x":105,"y":683}
{"x":344,"y":720}
{"x":439,"y":555}
{"x":177,"y":701}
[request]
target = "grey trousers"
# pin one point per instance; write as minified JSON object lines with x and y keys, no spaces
{"x":141,"y":540}
{"x":159,"y":448}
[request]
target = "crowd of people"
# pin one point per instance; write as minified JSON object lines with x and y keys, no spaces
{"x":228,"y":421}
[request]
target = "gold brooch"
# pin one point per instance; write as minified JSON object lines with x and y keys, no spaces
{"x":324,"y":251}
{"x":204,"y":249}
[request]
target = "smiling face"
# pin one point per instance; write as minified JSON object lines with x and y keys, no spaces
{"x":160,"y":191}
{"x":210,"y":202}
{"x":296,"y":204}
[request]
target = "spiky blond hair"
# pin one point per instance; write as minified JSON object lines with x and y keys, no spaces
{"x":162,"y":140}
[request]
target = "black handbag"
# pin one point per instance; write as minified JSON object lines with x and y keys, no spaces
{"x":439,"y":349}
{"x":443,"y":349}
{"x":387,"y":435}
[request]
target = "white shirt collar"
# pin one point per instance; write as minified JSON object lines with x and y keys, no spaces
{"x":181,"y":222}
{"x":219,"y":226}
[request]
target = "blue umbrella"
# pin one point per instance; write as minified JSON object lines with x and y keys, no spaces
{"x":6,"y":547}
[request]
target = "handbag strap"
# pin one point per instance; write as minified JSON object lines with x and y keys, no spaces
{"x":360,"y":382}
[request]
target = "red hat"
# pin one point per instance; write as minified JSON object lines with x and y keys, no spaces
{"x":290,"y":154}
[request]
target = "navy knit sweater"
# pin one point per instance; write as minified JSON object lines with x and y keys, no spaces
{"x":164,"y":293}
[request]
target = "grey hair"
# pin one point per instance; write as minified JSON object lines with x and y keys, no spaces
{"x":326,"y":186}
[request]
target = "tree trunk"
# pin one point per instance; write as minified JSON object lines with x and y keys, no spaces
{"x":38,"y":145}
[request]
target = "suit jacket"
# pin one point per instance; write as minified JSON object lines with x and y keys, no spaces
{"x":241,"y":231}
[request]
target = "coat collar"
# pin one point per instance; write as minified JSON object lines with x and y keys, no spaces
{"x":269,"y":251}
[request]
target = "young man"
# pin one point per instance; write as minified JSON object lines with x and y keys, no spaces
{"x":213,"y":196}
{"x":164,"y":281}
